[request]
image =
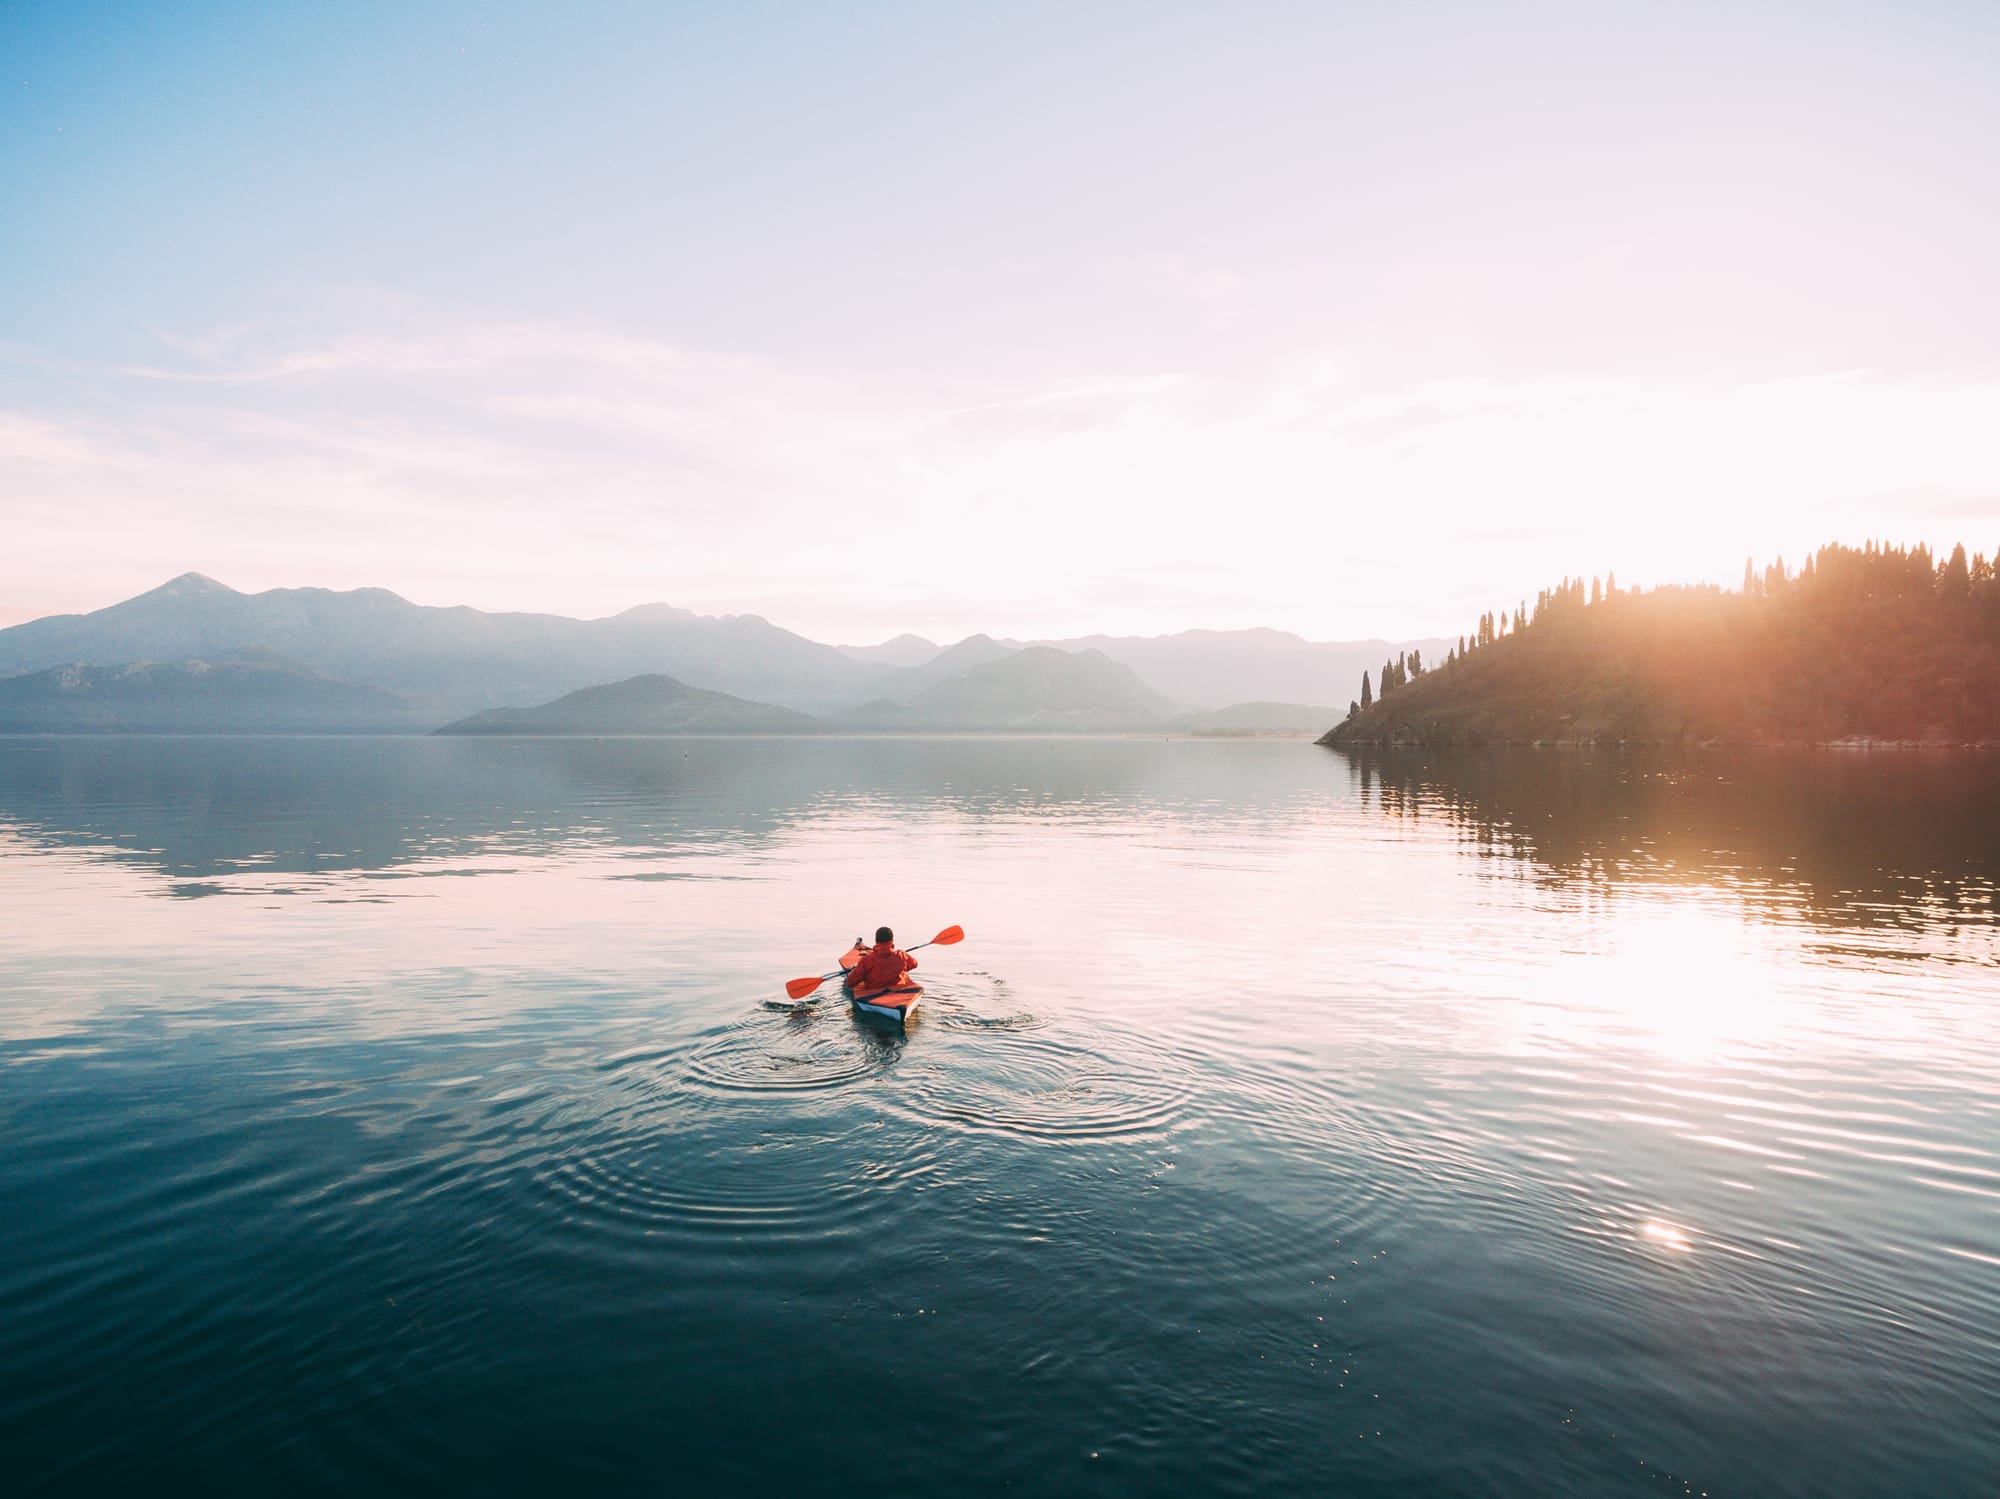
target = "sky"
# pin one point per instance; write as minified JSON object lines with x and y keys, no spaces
{"x":1040,"y":320}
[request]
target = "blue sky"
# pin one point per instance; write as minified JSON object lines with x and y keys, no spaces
{"x":1353,"y":320}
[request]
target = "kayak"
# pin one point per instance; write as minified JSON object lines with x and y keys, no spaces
{"x":897,"y":1004}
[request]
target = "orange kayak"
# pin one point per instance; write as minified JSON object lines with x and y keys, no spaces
{"x":897,"y":1004}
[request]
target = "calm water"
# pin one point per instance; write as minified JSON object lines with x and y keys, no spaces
{"x":408,"y":1115}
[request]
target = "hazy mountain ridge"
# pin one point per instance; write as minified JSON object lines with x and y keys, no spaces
{"x":455,"y":659}
{"x":649,"y":704}
{"x":1032,"y":690}
{"x":443,"y":664}
{"x":973,"y":651}
{"x":249,"y":692}
{"x":903,"y":651}
{"x":1204,"y":670}
{"x":1208,"y":669}
{"x":1280,"y":720}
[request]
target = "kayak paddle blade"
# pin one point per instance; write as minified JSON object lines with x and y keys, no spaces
{"x":948,"y":936}
{"x":800,"y":988}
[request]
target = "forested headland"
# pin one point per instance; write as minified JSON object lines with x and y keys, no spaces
{"x":1871,"y":643}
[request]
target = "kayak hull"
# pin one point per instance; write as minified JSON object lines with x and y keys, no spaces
{"x":897,"y":1006}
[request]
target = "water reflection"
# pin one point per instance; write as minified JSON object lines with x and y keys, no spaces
{"x":199,"y":809}
{"x":1855,"y":838}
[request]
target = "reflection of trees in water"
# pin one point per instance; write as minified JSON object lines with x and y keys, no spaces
{"x":197,"y":807}
{"x":1862,"y":838}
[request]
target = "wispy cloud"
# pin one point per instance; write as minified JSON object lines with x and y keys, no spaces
{"x":520,"y":465}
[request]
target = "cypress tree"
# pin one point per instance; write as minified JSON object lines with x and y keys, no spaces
{"x":1955,"y":577}
{"x":1367,"y":697}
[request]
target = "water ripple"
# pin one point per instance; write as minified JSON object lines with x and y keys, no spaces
{"x":1049,"y":1086}
{"x":760,"y":1056}
{"x":706,"y":1184}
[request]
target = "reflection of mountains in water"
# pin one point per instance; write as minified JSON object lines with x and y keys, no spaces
{"x":1866,"y":838}
{"x":200,"y":807}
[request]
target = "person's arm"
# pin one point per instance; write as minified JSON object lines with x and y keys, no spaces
{"x":908,"y":961}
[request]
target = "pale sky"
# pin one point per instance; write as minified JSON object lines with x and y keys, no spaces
{"x":1039,"y":320}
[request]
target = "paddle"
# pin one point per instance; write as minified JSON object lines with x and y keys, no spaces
{"x":800,"y":988}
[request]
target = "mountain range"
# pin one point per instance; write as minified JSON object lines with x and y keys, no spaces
{"x":1203,"y":669}
{"x":1034,"y":690}
{"x":453,"y":661}
{"x":245,"y":692}
{"x":315,"y":659}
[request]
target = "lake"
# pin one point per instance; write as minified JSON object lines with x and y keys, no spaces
{"x":413,"y":1115}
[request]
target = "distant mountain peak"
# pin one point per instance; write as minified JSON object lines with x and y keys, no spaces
{"x":902,"y":652}
{"x":975,"y":650}
{"x":188,"y":584}
{"x":656,"y":611}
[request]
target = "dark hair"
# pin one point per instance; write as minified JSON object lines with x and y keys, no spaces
{"x":883,"y":934}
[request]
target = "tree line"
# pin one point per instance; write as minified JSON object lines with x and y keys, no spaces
{"x":1961,"y":592}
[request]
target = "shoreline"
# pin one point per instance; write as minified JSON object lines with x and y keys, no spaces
{"x":1847,"y":742}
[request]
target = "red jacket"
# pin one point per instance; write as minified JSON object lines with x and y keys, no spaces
{"x":882,"y":967}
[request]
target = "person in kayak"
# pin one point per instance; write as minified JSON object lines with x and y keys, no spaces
{"x":882,"y":966}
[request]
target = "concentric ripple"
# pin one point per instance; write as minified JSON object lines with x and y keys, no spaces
{"x":1052,"y":1087}
{"x":796,"y":1055}
{"x":705,"y":1144}
{"x":707,"y":1185}
{"x":980,"y":1002}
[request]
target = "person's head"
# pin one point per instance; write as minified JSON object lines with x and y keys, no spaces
{"x":883,"y":934}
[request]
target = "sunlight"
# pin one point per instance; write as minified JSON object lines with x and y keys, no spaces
{"x":1686,"y":977}
{"x":1667,"y":1236}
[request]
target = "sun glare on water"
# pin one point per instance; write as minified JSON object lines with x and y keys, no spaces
{"x":1667,"y":1236}
{"x":1685,"y":978}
